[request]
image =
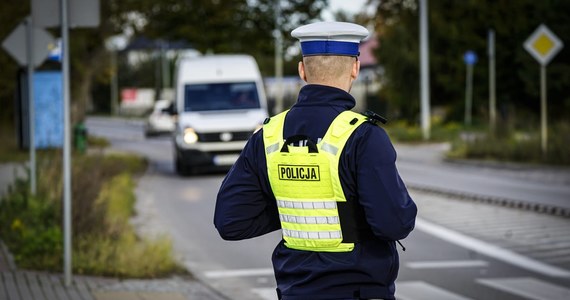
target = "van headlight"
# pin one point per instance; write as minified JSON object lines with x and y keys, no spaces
{"x":190,"y":136}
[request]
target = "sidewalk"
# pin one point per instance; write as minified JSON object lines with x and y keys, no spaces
{"x":18,"y":284}
{"x":26,"y":285}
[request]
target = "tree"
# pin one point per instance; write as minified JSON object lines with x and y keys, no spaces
{"x":88,"y":55}
{"x":244,"y":26}
{"x":233,"y":26}
{"x":89,"y":58}
{"x":457,"y":26}
{"x":11,"y":14}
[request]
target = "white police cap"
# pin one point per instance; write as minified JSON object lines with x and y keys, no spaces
{"x":330,"y":38}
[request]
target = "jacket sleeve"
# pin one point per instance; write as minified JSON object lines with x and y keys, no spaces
{"x":245,"y":206}
{"x":389,"y":209}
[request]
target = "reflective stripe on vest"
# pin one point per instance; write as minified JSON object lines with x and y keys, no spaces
{"x":307,"y":185}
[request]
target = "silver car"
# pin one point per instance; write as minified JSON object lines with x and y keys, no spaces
{"x":160,"y":120}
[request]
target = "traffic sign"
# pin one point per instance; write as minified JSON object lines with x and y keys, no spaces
{"x":470,"y":57}
{"x":55,"y":51}
{"x":15,"y":44}
{"x":82,"y":13}
{"x":543,"y":45}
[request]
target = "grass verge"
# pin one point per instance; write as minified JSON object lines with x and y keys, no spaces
{"x":476,"y":143}
{"x":104,"y":242}
{"x":521,"y":146}
{"x":403,"y":132}
{"x":10,"y":151}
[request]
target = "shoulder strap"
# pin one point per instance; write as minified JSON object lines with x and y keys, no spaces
{"x":273,"y":132}
{"x":341,"y":128}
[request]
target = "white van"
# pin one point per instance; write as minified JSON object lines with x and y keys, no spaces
{"x":220,"y":102}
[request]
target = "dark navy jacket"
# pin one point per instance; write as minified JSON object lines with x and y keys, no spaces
{"x":246,"y":207}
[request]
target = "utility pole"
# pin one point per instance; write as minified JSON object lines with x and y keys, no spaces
{"x":114,"y":82}
{"x":492,"y":87}
{"x":278,"y":59}
{"x":424,"y":70}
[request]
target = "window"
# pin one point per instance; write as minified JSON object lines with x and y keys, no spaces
{"x":220,"y":96}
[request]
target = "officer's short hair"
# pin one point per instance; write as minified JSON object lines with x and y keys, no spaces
{"x":322,"y":68}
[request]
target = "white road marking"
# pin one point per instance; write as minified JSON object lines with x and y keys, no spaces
{"x":445,"y":264}
{"x":490,"y":250}
{"x":265,"y":293}
{"x":529,"y":288}
{"x":239,"y":273}
{"x":419,"y":290}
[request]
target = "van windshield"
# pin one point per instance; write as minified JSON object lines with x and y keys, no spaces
{"x":220,"y":96}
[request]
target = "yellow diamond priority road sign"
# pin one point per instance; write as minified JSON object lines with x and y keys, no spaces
{"x":543,"y":45}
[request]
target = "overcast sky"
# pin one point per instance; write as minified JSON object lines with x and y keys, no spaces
{"x":350,"y":6}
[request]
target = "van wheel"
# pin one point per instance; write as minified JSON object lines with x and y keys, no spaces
{"x":180,"y":168}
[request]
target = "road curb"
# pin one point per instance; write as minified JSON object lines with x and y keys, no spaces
{"x":543,"y":172}
{"x":7,"y":257}
{"x":499,"y":201}
{"x":209,"y":287}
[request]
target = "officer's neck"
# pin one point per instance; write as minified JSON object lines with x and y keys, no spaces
{"x":345,"y":87}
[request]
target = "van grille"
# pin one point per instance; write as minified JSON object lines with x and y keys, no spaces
{"x":216,"y":136}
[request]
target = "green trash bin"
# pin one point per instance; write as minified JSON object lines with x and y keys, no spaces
{"x":80,"y":137}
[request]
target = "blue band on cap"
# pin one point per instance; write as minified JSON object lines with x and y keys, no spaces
{"x":329,"y":47}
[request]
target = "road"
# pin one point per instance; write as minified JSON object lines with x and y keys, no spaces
{"x":424,"y":167}
{"x":459,"y":250}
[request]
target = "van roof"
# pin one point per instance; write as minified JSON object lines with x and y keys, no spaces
{"x":218,"y":68}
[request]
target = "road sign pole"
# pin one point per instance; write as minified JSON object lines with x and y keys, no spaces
{"x":31,"y":103}
{"x":66,"y":146}
{"x":470,"y":58}
{"x":543,"y":111}
{"x":543,"y":45}
{"x":468,"y":94}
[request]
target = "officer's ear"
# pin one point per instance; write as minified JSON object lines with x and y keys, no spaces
{"x":355,"y":70}
{"x":301,"y":69}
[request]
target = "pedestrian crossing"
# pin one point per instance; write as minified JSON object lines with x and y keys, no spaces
{"x":519,"y":287}
{"x":489,"y":249}
{"x":540,"y":237}
{"x":420,"y":290}
{"x":528,"y":288}
{"x":534,"y":243}
{"x":447,"y":264}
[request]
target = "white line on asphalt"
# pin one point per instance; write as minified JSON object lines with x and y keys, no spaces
{"x":489,"y":249}
{"x":239,"y":273}
{"x":444,"y":264}
{"x":265,"y":293}
{"x":529,"y":288}
{"x":419,"y":290}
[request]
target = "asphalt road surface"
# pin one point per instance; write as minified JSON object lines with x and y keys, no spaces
{"x":459,"y":250}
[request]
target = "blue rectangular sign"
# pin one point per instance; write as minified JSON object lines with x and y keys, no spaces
{"x":48,"y":101}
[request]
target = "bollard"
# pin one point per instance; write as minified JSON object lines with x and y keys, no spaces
{"x":80,"y":137}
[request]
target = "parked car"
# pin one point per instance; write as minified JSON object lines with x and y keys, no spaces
{"x":160,"y":120}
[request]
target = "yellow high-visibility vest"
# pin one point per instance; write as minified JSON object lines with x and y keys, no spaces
{"x":306,"y":184}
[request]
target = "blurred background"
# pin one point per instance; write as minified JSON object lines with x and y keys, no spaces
{"x":482,"y":130}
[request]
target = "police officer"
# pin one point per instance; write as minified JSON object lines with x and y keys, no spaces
{"x":327,"y":177}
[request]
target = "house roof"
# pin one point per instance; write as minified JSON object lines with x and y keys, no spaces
{"x":367,"y":48}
